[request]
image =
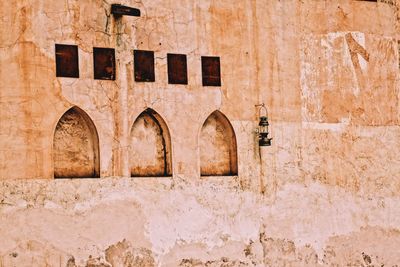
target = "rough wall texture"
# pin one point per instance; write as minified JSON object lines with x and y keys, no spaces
{"x":327,"y":193}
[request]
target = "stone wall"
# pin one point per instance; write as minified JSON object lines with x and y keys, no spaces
{"x":326,"y":193}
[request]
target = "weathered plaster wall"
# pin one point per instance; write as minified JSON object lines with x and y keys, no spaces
{"x":326,"y":193}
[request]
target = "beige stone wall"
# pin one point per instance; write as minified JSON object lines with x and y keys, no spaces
{"x":325,"y":194}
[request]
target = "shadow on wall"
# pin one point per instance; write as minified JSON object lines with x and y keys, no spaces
{"x":76,"y":146}
{"x":218,"y":149}
{"x":150,"y":146}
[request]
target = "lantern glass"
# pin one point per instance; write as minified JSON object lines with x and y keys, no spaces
{"x":263,"y":132}
{"x":264,"y":129}
{"x":263,"y":125}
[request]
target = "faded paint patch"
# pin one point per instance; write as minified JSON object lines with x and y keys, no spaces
{"x":351,"y":80}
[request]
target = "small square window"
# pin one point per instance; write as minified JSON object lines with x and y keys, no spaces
{"x":177,"y":69}
{"x":67,"y":64}
{"x":104,"y":63}
{"x":144,"y":66}
{"x":211,"y":71}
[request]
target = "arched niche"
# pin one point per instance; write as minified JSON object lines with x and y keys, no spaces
{"x":76,"y":146}
{"x":150,"y":146}
{"x":218,"y":149}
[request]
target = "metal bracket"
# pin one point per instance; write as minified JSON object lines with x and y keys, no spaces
{"x":120,"y":10}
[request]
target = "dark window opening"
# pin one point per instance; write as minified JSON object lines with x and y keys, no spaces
{"x":211,"y":71}
{"x":67,"y":64}
{"x":144,"y":66}
{"x":177,"y":69}
{"x":104,"y":63}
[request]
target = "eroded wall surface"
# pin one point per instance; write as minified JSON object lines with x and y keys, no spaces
{"x":327,"y":193}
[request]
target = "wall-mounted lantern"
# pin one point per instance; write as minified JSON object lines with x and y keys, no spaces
{"x":262,"y":129}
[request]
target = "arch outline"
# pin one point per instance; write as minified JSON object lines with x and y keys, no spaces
{"x":94,"y":137}
{"x":166,"y":142}
{"x":233,"y":154}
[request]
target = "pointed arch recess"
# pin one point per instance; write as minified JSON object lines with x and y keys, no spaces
{"x":76,"y":146}
{"x":150,"y":146}
{"x":218,"y":148}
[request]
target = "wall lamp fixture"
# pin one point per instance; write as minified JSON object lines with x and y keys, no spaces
{"x":262,"y":129}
